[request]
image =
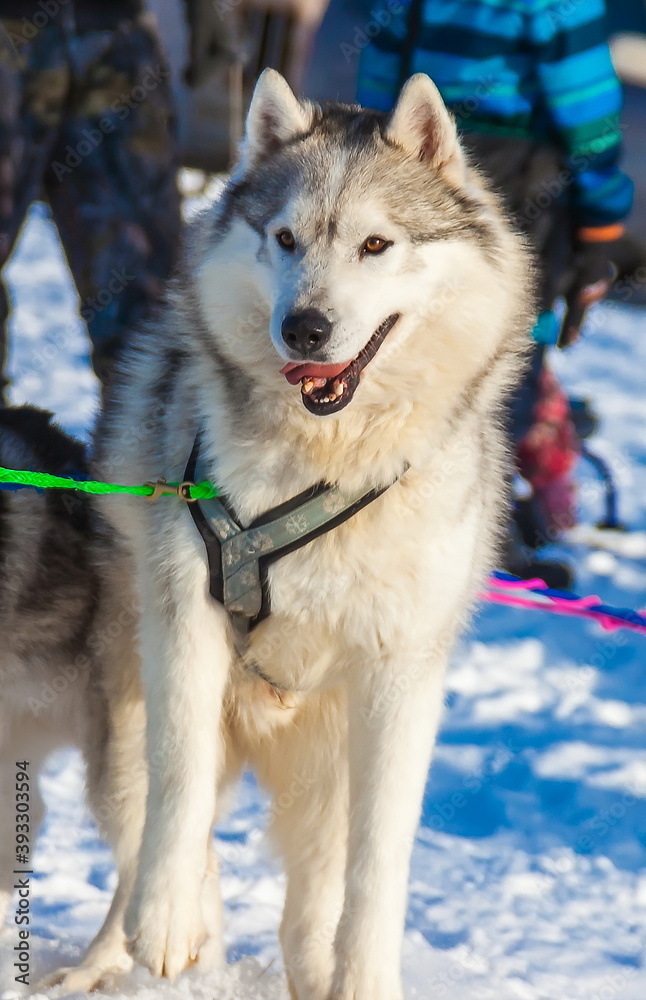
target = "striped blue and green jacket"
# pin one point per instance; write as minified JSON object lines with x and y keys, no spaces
{"x":536,"y":69}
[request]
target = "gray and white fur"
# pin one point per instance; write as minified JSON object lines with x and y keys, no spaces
{"x":337,"y":224}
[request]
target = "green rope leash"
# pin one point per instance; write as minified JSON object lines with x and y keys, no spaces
{"x":160,"y":488}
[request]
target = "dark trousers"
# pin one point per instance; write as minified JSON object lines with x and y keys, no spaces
{"x":86,"y":123}
{"x":526,"y":174}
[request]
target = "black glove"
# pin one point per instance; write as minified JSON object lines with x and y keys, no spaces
{"x":629,"y":257}
{"x":592,"y":275}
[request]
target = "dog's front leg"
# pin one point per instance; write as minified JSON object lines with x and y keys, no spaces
{"x":394,"y":712}
{"x":186,"y":660}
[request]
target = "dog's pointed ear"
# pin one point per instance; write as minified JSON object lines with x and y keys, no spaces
{"x":275,"y":115}
{"x":421,"y":124}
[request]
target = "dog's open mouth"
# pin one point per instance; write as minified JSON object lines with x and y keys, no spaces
{"x":328,"y":388}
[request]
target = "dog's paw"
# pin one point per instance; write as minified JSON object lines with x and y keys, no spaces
{"x":370,"y":986}
{"x":165,"y":936}
{"x":85,"y":978}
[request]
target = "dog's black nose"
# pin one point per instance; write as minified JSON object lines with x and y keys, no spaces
{"x":306,"y":331}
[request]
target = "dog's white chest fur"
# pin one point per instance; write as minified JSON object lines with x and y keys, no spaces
{"x":356,"y":591}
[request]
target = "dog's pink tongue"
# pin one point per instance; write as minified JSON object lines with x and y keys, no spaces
{"x":294,"y":372}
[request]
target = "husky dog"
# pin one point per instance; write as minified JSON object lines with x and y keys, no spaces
{"x":48,"y":605}
{"x":69,"y":673}
{"x":351,"y":312}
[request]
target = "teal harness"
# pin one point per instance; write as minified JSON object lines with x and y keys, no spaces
{"x":239,"y":558}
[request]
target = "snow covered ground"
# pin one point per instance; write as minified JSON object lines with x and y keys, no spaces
{"x":528,"y":879}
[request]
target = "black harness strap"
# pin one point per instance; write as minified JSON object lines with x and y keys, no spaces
{"x":211,"y":540}
{"x":266,"y":561}
{"x":239,"y":558}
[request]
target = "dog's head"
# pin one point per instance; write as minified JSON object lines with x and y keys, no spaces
{"x":340,"y":230}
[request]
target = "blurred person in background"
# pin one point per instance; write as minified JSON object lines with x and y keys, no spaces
{"x":86,"y":124}
{"x":533,"y":89}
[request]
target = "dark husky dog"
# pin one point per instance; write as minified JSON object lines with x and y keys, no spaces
{"x":64,"y":612}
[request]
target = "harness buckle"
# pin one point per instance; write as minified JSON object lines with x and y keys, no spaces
{"x":161,"y":488}
{"x":184,"y":491}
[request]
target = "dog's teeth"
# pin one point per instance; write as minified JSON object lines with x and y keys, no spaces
{"x":326,"y":399}
{"x":307,"y":387}
{"x":338,"y":388}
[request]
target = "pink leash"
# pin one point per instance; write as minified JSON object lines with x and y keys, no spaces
{"x":502,"y":588}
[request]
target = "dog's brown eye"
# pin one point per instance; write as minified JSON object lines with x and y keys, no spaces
{"x":286,"y":239}
{"x":374,"y":245}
